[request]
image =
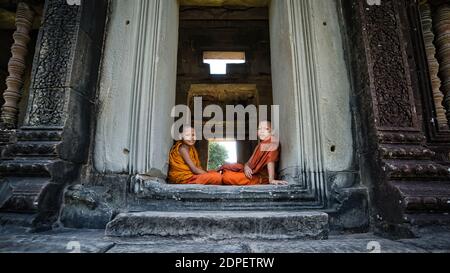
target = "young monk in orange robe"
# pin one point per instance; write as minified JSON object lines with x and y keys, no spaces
{"x":184,"y":164}
{"x":260,"y":169}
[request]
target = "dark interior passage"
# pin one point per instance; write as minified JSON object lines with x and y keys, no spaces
{"x":238,"y":29}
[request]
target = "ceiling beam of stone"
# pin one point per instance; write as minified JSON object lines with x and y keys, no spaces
{"x":219,"y":3}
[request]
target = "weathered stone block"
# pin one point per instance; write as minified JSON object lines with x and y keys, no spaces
{"x":85,"y":208}
{"x":221,"y":225}
{"x":351,"y":213}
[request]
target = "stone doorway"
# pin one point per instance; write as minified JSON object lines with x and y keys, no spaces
{"x":306,"y":71}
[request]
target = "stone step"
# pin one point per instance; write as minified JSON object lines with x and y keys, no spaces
{"x":17,"y":219}
{"x":39,"y":135}
{"x":22,"y":194}
{"x":436,"y":220}
{"x":222,"y":225}
{"x":406,"y":152}
{"x":5,"y":136}
{"x":150,"y":192}
{"x":424,"y":196}
{"x":25,"y":167}
{"x":157,"y":190}
{"x":416,"y":170}
{"x":5,"y":139}
{"x":31,"y":149}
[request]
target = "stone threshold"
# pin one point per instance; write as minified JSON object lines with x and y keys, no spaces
{"x":153,"y":194}
{"x":156,"y":190}
{"x":221,"y":225}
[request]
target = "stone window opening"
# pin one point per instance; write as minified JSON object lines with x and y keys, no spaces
{"x":218,"y":60}
{"x":227,"y":145}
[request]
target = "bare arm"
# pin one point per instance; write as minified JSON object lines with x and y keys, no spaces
{"x":184,"y":152}
{"x":271,"y":171}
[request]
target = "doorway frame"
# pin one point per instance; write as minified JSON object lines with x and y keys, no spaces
{"x":294,"y":81}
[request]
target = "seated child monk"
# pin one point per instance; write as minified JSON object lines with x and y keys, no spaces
{"x":184,"y":164}
{"x":260,"y":169}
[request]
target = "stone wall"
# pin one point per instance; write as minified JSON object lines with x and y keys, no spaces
{"x":137,"y":88}
{"x":403,"y":174}
{"x":311,"y":78}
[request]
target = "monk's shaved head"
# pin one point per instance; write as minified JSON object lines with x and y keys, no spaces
{"x":188,"y":135}
{"x":187,"y":129}
{"x":264,"y":130}
{"x":266,"y":123}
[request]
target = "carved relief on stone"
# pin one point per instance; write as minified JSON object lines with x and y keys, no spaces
{"x":401,"y":138}
{"x":433,"y":65}
{"x":17,"y":64}
{"x":388,"y":66}
{"x":53,"y":64}
{"x":441,"y":27}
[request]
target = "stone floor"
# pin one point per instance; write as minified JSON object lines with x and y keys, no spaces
{"x":16,"y":240}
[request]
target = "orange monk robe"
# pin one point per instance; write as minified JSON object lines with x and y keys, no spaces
{"x":180,"y":173}
{"x":265,"y":153}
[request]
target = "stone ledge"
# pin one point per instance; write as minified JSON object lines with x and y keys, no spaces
{"x":152,"y":194}
{"x":17,"y":219}
{"x":150,"y":189}
{"x":221,"y":225}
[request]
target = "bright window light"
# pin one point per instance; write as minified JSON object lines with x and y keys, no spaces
{"x":217,"y":151}
{"x":219,"y":67}
{"x":218,"y":60}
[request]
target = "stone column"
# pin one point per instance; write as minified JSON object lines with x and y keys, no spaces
{"x":65,"y":71}
{"x":137,"y":88}
{"x":433,"y":65}
{"x":441,"y":27}
{"x":53,"y":143}
{"x":17,"y":65}
{"x":153,"y":61}
{"x":295,"y":81}
{"x":397,"y":164}
{"x":52,"y":65}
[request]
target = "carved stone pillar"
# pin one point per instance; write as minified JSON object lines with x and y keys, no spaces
{"x":433,"y":65}
{"x":51,"y":146}
{"x":17,"y":65}
{"x":53,"y":64}
{"x":441,"y":27}
{"x":406,"y":180}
